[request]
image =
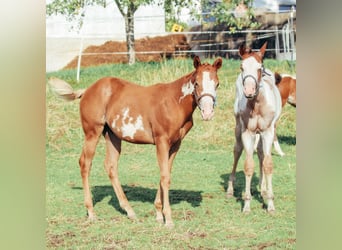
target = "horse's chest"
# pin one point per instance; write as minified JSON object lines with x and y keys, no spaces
{"x":257,"y":118}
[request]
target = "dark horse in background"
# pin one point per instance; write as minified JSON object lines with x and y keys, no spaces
{"x":257,"y":108}
{"x":159,"y":114}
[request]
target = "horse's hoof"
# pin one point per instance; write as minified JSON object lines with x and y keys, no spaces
{"x":169,"y":224}
{"x":160,"y":220}
{"x":132,"y":217}
{"x":246,"y":211}
{"x":271,"y":211}
{"x":92,"y":218}
{"x":229,"y":195}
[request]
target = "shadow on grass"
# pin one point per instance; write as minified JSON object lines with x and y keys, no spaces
{"x":239,"y":187}
{"x":135,"y":193}
{"x":289,"y":140}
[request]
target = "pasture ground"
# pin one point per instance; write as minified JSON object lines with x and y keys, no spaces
{"x":203,"y":217}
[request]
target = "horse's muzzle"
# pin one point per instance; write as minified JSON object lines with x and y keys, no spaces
{"x":207,"y":107}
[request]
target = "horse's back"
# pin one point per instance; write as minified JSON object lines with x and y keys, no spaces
{"x":101,"y":95}
{"x":287,"y":88}
{"x":271,"y":80}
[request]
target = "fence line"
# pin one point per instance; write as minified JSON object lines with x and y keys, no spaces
{"x":152,"y":34}
{"x":272,"y":33}
{"x":262,"y":34}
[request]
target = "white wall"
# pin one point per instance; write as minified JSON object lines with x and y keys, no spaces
{"x":108,"y":22}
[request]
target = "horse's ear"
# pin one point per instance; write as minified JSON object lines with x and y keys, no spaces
{"x":242,"y":49}
{"x":263,"y":50}
{"x":197,"y":62}
{"x":218,"y":63}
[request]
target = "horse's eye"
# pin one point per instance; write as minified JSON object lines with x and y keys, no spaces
{"x":218,"y":84}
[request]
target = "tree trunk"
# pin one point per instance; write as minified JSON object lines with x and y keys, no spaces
{"x":130,"y":41}
{"x":129,"y":28}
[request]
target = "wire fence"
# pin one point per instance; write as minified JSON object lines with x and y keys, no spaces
{"x":204,"y":42}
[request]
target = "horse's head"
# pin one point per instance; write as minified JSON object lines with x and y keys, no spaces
{"x":205,"y":85}
{"x":251,"y":69}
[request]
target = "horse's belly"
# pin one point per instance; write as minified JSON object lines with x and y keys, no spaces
{"x":134,"y":135}
{"x":131,"y":128}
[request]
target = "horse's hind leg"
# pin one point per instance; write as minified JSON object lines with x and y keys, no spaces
{"x":165,"y":157}
{"x":248,"y":143}
{"x":262,"y":181}
{"x":276,"y":143}
{"x":85,"y":162}
{"x":267,"y":165}
{"x":113,"y":149}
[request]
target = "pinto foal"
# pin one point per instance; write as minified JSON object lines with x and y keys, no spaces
{"x":159,"y":114}
{"x":257,"y":107}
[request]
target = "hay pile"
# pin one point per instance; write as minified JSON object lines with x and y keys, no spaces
{"x":166,"y":46}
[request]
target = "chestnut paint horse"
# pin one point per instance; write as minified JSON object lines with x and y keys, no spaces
{"x":257,"y":107}
{"x":159,"y":114}
{"x":287,"y":88}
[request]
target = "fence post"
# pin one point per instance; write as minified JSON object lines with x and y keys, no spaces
{"x":79,"y":61}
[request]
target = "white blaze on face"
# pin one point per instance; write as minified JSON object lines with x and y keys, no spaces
{"x":250,"y":67}
{"x":129,"y":125}
{"x":207,"y":102}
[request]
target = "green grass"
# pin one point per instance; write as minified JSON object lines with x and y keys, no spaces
{"x":203,"y":217}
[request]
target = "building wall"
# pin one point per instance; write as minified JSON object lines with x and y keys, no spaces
{"x":108,"y":22}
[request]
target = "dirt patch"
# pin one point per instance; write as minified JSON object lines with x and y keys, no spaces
{"x":154,"y":50}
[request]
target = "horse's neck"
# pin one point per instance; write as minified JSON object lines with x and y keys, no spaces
{"x":267,"y":86}
{"x":268,"y":78}
{"x":182,"y":91}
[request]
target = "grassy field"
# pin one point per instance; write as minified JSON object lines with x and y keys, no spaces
{"x":203,"y":217}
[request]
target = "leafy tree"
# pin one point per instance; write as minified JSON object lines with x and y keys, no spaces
{"x":226,"y":12}
{"x":75,"y":10}
{"x":223,"y":13}
{"x":173,"y":9}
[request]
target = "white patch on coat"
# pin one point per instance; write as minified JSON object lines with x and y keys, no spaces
{"x":129,"y":127}
{"x":114,"y":122}
{"x":287,"y":75}
{"x":187,"y":89}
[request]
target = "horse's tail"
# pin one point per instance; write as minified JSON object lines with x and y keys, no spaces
{"x":277,"y":77}
{"x":64,"y":90}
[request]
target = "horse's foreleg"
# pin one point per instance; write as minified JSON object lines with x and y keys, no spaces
{"x":162,"y":197}
{"x":256,"y":143}
{"x":159,"y":206}
{"x":113,"y":149}
{"x":238,"y":147}
{"x":158,"y":200}
{"x":85,"y":162}
{"x":248,"y":142}
{"x":267,"y":166}
{"x":262,"y":181}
